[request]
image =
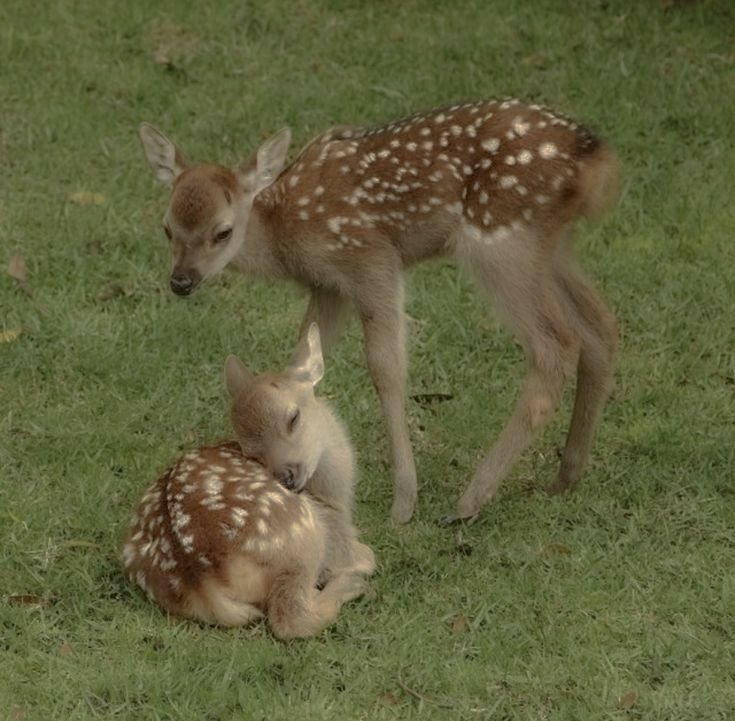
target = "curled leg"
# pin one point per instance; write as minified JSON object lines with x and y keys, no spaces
{"x":297,"y":609}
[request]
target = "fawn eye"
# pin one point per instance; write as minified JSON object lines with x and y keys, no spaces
{"x":223,"y":235}
{"x":293,"y":420}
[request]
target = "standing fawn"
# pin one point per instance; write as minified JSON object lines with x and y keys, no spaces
{"x":231,"y":533}
{"x":496,"y":184}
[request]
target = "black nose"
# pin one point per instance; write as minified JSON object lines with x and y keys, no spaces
{"x":287,"y":476}
{"x":181,"y":284}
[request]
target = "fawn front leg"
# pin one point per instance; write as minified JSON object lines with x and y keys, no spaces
{"x":330,"y":310}
{"x":381,"y":311}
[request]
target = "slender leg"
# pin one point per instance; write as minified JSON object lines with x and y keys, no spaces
{"x":381,"y":312}
{"x":538,"y":401}
{"x":515,"y":277}
{"x":330,"y":310}
{"x":594,"y":374}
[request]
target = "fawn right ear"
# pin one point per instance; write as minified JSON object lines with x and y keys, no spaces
{"x":166,"y":160}
{"x":237,"y":376}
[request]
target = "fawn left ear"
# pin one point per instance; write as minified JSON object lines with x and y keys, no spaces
{"x":237,"y":376}
{"x":308,"y":363}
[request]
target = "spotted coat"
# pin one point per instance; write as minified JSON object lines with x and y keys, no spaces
{"x":494,"y":167}
{"x":212,"y":503}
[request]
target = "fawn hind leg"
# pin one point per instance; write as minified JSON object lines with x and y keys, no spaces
{"x":523,"y":288}
{"x":595,"y":379}
{"x":297,"y":609}
{"x":233,"y":599}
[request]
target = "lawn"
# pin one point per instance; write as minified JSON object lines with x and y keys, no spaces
{"x":615,"y":602}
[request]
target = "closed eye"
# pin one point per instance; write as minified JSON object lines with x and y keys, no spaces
{"x":223,"y":236}
{"x":293,"y":420}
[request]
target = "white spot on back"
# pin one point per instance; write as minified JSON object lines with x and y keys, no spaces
{"x":548,"y":150}
{"x":525,"y":157}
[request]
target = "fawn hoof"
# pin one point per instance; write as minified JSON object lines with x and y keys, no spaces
{"x":557,"y":488}
{"x":563,"y":484}
{"x":354,"y":587}
{"x":468,"y":507}
{"x":452,"y":519}
{"x":402,"y":509}
{"x":363,"y":559}
{"x":449,"y":519}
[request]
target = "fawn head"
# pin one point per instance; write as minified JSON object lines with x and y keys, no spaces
{"x":277,"y":418}
{"x":207,"y":217}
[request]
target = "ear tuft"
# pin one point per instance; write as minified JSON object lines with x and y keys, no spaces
{"x":237,"y":376}
{"x":165,"y":159}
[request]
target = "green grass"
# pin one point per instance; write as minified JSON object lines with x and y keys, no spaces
{"x":616,"y":602}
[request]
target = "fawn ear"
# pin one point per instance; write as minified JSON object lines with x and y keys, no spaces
{"x":308,"y":363}
{"x":166,"y":160}
{"x":237,"y":376}
{"x":264,"y":166}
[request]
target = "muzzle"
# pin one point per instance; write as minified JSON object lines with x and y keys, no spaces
{"x":184,"y":284}
{"x":292,"y":476}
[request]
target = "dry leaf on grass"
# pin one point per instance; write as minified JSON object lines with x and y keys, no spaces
{"x":388,"y":699}
{"x":86,"y":197}
{"x":160,"y":57}
{"x":27,"y":599}
{"x":7,"y":336}
{"x":110,"y":291}
{"x":559,"y":549}
{"x":627,"y":700}
{"x":535,"y":61}
{"x":171,"y":43}
{"x":17,"y":270}
{"x":459,"y":624}
{"x":65,"y":649}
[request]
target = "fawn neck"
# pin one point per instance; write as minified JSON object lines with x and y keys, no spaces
{"x":333,"y":480}
{"x":258,"y":255}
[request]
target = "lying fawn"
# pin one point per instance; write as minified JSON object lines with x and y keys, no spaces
{"x":231,"y":532}
{"x":496,"y":184}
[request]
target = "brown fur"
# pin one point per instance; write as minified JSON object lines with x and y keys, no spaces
{"x":196,"y":193}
